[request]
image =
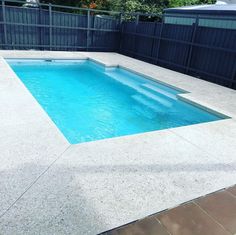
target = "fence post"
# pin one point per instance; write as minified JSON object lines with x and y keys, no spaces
{"x":159,"y":43}
{"x":120,"y":18}
{"x":233,"y":78}
{"x":135,"y":36}
{"x":154,"y":38}
{"x":39,"y":30}
{"x":121,"y":32}
{"x":191,"y":45}
{"x":88,"y":30}
{"x":4,"y":23}
{"x":50,"y":25}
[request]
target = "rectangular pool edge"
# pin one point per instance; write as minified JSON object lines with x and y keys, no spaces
{"x":103,"y":66}
{"x":127,"y":79}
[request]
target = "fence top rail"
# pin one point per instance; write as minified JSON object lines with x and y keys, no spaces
{"x":142,"y":14}
{"x":65,"y":7}
{"x":200,"y":16}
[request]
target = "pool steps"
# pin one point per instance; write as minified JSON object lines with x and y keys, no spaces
{"x":157,"y":98}
{"x":147,"y":93}
{"x":145,"y":111}
{"x":155,"y":89}
{"x":147,"y":103}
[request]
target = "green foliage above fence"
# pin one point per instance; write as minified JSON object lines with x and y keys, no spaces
{"x":145,"y":6}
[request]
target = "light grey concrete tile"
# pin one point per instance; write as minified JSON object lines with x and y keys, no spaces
{"x":19,"y":110}
{"x":216,"y":138}
{"x":100,"y":185}
{"x":17,"y":106}
{"x":26,"y":150}
{"x":32,"y":54}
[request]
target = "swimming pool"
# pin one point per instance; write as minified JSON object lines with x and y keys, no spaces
{"x":89,"y":102}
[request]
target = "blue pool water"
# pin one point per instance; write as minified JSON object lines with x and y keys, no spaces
{"x":88,"y":102}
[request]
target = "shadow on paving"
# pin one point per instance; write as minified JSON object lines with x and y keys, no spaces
{"x":71,"y":199}
{"x":55,"y":204}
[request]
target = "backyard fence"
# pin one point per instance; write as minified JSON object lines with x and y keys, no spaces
{"x":195,"y":48}
{"x":54,"y":27}
{"x":201,"y":51}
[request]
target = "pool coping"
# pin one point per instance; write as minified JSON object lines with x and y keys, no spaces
{"x":186,"y":135}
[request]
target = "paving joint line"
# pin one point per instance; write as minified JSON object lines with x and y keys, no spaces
{"x":162,"y":225}
{"x":216,"y":221}
{"x":34,"y":182}
{"x":231,"y":194}
{"x":193,"y":144}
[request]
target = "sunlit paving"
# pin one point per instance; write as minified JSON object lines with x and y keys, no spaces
{"x":117,"y":117}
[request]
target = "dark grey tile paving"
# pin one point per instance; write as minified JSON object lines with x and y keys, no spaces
{"x":222,"y":207}
{"x":149,"y":225}
{"x":189,"y":219}
{"x":232,"y":190}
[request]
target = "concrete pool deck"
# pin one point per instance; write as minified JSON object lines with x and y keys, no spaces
{"x":48,"y":186}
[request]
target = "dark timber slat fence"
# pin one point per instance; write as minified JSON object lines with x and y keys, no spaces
{"x":205,"y":52}
{"x":52,"y":29}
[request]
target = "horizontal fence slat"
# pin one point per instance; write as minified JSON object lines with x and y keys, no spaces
{"x":205,"y":52}
{"x":30,"y":28}
{"x":59,"y":26}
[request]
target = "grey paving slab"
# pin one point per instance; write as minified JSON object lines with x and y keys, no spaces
{"x":100,"y":185}
{"x":26,"y":151}
{"x":41,"y":54}
{"x":216,"y":138}
{"x":19,"y":107}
